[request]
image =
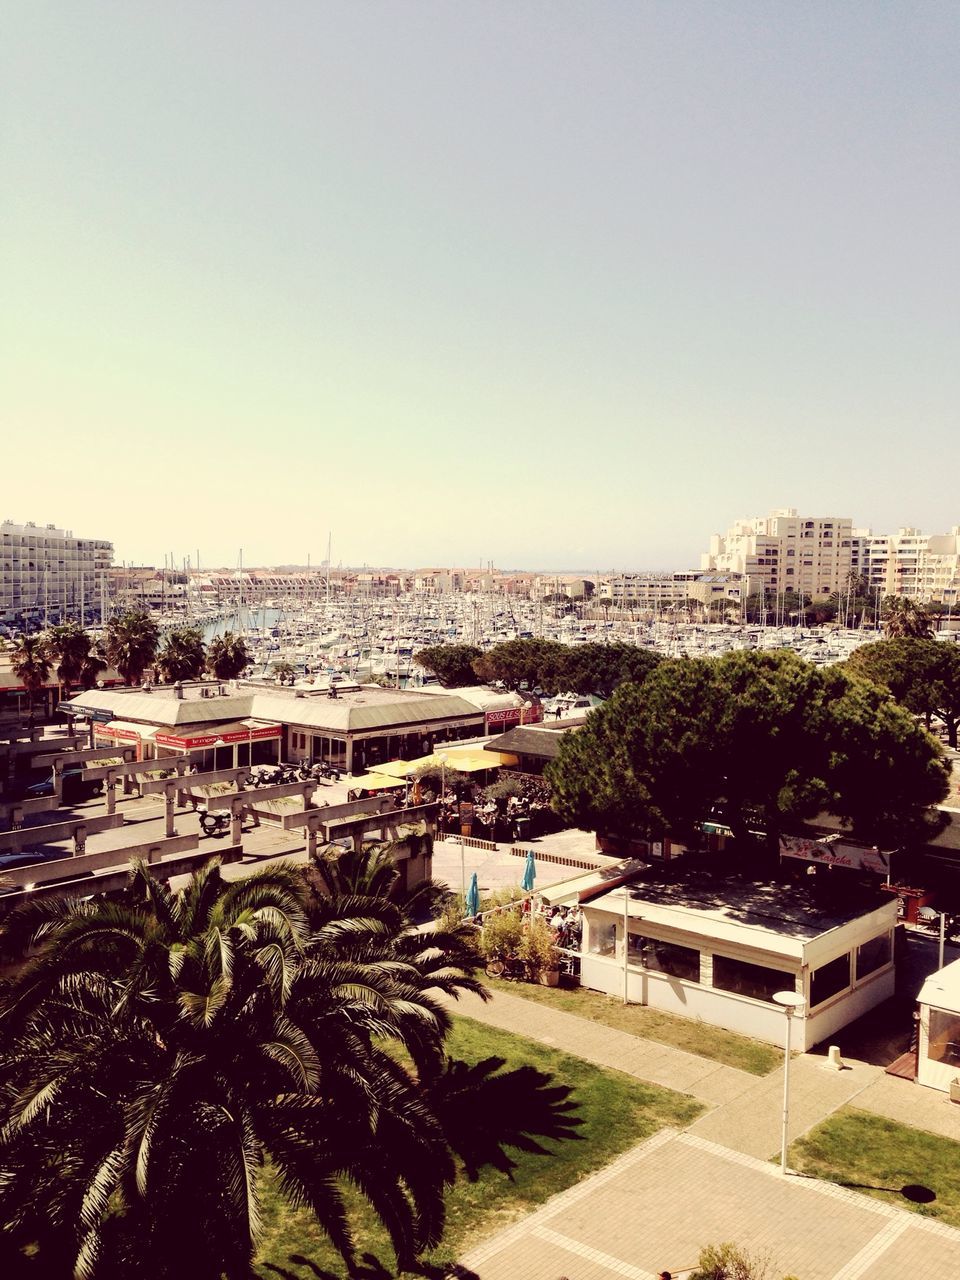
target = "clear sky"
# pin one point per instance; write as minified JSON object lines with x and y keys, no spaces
{"x":550,"y":284}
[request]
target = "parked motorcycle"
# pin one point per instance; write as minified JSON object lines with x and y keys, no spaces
{"x":214,"y":822}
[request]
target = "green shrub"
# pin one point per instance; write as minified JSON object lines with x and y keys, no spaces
{"x":501,"y":935}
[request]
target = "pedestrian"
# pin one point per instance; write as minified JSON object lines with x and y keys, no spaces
{"x":664,"y":1275}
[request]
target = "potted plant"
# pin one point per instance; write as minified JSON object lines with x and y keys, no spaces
{"x":538,"y":950}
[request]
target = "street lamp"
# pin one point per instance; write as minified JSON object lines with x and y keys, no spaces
{"x":791,"y":1003}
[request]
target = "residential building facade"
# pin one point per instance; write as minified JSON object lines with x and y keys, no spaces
{"x":47,"y":574}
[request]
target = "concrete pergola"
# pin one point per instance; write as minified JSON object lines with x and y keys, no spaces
{"x":164,"y":858}
{"x":76,"y":829}
{"x":189,"y":786}
{"x":357,"y":819}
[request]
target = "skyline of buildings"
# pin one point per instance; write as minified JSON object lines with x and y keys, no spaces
{"x":46,"y":572}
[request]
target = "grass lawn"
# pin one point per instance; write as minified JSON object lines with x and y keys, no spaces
{"x":683,"y":1033}
{"x":617,"y":1112}
{"x":878,"y":1157}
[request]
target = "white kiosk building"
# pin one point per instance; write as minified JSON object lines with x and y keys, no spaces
{"x":717,"y":951}
{"x":938,"y":1060}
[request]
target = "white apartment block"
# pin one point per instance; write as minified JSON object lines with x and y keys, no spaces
{"x":784,"y":551}
{"x":909,"y":563}
{"x":664,"y":590}
{"x":47,"y":574}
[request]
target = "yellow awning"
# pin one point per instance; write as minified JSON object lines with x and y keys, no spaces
{"x":398,"y":768}
{"x":374,"y":782}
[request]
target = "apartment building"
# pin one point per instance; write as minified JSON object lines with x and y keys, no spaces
{"x":664,"y":590}
{"x":784,"y":551}
{"x":910,"y":563}
{"x":48,"y":574}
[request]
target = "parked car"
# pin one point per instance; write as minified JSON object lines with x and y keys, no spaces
{"x":74,"y":787}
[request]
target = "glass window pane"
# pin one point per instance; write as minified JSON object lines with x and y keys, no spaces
{"x":603,"y":939}
{"x":665,"y":957}
{"x":943,"y":1042}
{"x":829,"y":979}
{"x":873,"y":955}
{"x":753,"y":980}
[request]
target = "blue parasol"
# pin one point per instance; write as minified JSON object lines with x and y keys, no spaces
{"x":472,"y":904}
{"x":529,"y":873}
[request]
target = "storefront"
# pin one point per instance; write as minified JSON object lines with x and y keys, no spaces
{"x":719,"y":953}
{"x":228,"y":746}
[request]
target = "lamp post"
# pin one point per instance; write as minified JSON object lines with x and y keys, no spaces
{"x":791,"y":1003}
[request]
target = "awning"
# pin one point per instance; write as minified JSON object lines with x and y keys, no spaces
{"x":591,"y":884}
{"x":375,"y":782}
{"x":240,"y":731}
{"x":463,"y":760}
{"x":124,"y":731}
{"x":398,"y":768}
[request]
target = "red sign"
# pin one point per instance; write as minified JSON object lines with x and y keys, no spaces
{"x":209,"y":739}
{"x":513,"y":715}
{"x":105,"y":731}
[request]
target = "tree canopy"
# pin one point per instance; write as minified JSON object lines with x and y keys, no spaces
{"x":182,"y":656}
{"x":132,"y":640}
{"x":554,"y":667}
{"x":905,"y":617}
{"x":227,"y":656}
{"x":758,"y":741}
{"x":922,"y":675}
{"x":452,"y":664}
{"x":157,"y":1052}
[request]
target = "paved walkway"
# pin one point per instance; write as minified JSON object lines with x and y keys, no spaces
{"x":655,"y":1207}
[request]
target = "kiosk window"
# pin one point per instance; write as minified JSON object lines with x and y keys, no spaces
{"x":829,"y":979}
{"x":873,"y":955}
{"x":666,"y":957}
{"x":603,"y":939}
{"x":943,"y":1042}
{"x":753,"y":980}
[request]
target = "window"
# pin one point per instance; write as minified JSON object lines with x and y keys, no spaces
{"x":873,"y":955}
{"x":603,"y":939}
{"x":943,"y":1042}
{"x":753,"y":980}
{"x":829,"y":979}
{"x":665,"y":957}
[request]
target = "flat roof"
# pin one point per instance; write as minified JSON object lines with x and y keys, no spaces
{"x":541,"y":740}
{"x":942,"y":989}
{"x":351,"y":711}
{"x":773,"y":917}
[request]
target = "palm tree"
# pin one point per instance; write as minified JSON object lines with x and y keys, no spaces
{"x":156,"y":1053}
{"x":284,"y":671}
{"x":132,"y":640}
{"x":71,"y":648}
{"x":31,"y":665}
{"x":227,"y":656}
{"x":906,"y":618}
{"x":183,"y":656}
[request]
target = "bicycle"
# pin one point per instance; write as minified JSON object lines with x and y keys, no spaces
{"x":509,"y":969}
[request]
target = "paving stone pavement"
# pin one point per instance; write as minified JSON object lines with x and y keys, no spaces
{"x":656,"y":1206}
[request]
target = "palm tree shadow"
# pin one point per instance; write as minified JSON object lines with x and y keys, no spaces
{"x":319,"y":1272}
{"x":371,"y":1268}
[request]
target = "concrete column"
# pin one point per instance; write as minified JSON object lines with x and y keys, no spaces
{"x":153,"y":854}
{"x":79,"y":840}
{"x":110,"y":786}
{"x":58,"y":780}
{"x":236,"y":822}
{"x":181,"y":765}
{"x":169,"y":805}
{"x":311,"y":840}
{"x":308,"y":789}
{"x":16,"y":819}
{"x":349,"y":765}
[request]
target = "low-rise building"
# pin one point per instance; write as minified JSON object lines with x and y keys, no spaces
{"x":234,"y":720}
{"x":718,"y":951}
